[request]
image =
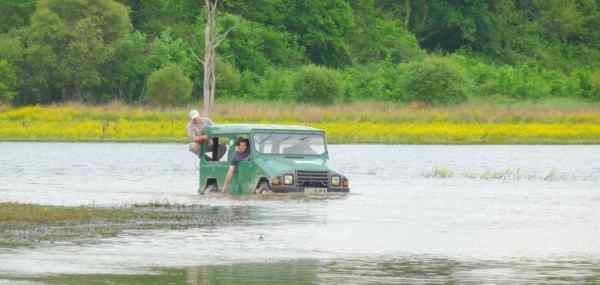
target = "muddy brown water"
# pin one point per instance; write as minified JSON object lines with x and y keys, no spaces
{"x":416,"y":214}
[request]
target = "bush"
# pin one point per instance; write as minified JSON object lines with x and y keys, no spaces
{"x":169,"y":86}
{"x":434,"y":81}
{"x":316,"y":84}
{"x":516,"y":82}
{"x":228,"y":79}
{"x":371,"y":82}
{"x":8,"y":82}
{"x":590,"y":84}
{"x":276,"y":84}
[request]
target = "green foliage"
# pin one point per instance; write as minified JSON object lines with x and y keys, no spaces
{"x":85,"y":50}
{"x":228,"y":79}
{"x":169,"y":86}
{"x":253,"y":46}
{"x":166,"y":49}
{"x":15,"y":14}
{"x":377,"y":38}
{"x":322,"y":27}
{"x":376,"y":81}
{"x":130,"y":67}
{"x":8,"y":82}
{"x":157,"y":16}
{"x":109,"y":16}
{"x":589,"y":83}
{"x":434,"y":81}
{"x":317,"y":84}
{"x":67,"y":47}
{"x":275,"y":85}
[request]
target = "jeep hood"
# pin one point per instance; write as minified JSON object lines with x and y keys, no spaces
{"x":276,"y":165}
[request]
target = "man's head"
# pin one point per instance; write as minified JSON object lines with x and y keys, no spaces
{"x":242,"y":144}
{"x":195,"y":116}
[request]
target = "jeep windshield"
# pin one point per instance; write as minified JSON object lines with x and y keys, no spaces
{"x":289,"y":144}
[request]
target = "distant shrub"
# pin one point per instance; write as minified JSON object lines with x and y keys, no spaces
{"x":276,"y":84}
{"x":317,"y":84}
{"x":228,"y":79}
{"x":375,"y":81}
{"x":590,"y":84}
{"x":169,"y":86}
{"x":8,"y":82}
{"x":434,"y":81}
{"x":517,"y":82}
{"x":521,"y":82}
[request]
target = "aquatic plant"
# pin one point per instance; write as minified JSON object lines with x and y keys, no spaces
{"x":441,"y":172}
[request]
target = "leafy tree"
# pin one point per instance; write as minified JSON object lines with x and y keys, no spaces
{"x":321,"y":26}
{"x":167,"y":49}
{"x":564,"y":20}
{"x":109,"y":16}
{"x":379,"y":38}
{"x":68,"y":45}
{"x":154,"y":17}
{"x":169,"y":86}
{"x":129,"y":67}
{"x":256,"y":47}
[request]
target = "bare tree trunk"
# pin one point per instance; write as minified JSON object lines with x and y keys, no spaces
{"x":407,"y":7}
{"x":210,"y":35}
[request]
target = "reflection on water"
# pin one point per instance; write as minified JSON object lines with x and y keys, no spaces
{"x":416,"y":214}
{"x":365,"y":270}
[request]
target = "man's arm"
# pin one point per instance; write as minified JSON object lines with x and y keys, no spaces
{"x":230,"y":173}
{"x":200,"y":138}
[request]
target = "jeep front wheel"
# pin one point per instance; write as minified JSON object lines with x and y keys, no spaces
{"x":263,"y":188}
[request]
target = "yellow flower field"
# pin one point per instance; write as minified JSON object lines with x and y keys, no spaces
{"x":77,"y":123}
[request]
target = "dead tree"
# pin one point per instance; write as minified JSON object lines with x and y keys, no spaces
{"x":211,"y":42}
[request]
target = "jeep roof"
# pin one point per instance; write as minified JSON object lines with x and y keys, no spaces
{"x":249,"y":128}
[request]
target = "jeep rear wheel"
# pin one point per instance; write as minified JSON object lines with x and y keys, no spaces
{"x":210,"y":188}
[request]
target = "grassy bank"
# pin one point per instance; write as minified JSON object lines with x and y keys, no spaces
{"x":485,"y":123}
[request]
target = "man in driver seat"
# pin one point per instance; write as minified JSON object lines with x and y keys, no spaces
{"x":242,"y":152}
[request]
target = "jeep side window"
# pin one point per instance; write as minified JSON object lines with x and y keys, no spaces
{"x":216,"y":149}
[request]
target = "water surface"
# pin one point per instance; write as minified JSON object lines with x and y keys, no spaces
{"x":416,"y":214}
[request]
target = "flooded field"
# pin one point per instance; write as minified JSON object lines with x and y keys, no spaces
{"x":416,"y":214}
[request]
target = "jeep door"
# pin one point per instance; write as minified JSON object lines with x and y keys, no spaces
{"x":244,"y":177}
{"x":215,"y":160}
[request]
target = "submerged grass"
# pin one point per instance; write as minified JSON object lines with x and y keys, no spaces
{"x":367,"y":122}
{"x":38,"y":214}
{"x":26,"y":224}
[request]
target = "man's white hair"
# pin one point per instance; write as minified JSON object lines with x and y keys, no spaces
{"x":194,"y":114}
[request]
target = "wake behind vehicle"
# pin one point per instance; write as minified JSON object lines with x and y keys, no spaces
{"x":282,"y":159}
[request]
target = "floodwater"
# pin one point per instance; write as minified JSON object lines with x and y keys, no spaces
{"x":416,"y":215}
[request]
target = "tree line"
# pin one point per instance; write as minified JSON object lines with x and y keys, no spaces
{"x":318,"y":51}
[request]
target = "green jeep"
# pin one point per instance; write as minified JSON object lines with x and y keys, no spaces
{"x":282,"y":159}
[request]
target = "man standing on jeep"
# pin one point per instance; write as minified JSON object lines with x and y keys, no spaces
{"x":241,"y":153}
{"x":195,"y":130}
